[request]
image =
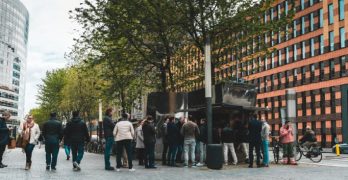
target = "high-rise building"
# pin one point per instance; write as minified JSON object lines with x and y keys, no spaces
{"x":311,"y":58}
{"x":14,"y":24}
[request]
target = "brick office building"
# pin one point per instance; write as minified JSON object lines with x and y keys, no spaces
{"x":310,"y":58}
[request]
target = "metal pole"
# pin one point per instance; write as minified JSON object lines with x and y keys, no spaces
{"x":208,"y":88}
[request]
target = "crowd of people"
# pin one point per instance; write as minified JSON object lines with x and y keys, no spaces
{"x":185,"y":138}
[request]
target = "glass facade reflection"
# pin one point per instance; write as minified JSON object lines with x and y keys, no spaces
{"x":14,"y":25}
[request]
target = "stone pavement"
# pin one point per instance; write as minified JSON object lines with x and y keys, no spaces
{"x":93,"y":168}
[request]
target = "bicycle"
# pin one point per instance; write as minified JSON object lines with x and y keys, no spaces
{"x":276,"y":148}
{"x":314,"y":153}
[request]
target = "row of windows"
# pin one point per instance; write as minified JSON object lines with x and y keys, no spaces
{"x":8,"y":96}
{"x":8,"y":104}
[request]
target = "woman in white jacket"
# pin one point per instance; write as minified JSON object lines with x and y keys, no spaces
{"x":30,"y":132}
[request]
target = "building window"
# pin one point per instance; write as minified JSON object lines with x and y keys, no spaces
{"x":260,"y":64}
{"x":302,"y":4}
{"x":310,"y":2}
{"x":266,"y":63}
{"x":286,"y":32}
{"x":295,"y":28}
{"x":321,"y":18}
{"x":286,"y":7}
{"x":321,"y":43}
{"x":312,"y":73}
{"x":279,"y":80}
{"x":295,"y":77}
{"x":331,"y":13}
{"x":272,"y":60}
{"x":271,"y":14}
{"x":343,"y":66}
{"x":279,"y":37}
{"x":311,"y":21}
{"x":303,"y":25}
{"x":332,"y":40}
{"x":272,"y":82}
{"x":278,"y":9}
{"x":341,"y":9}
{"x":272,"y":40}
{"x":287,"y":55}
{"x":321,"y":70}
{"x":265,"y":17}
{"x":265,"y":83}
{"x":304,"y":110}
{"x":303,"y":75}
{"x":312,"y":102}
{"x":332,"y":100}
{"x":295,"y":52}
{"x":279,"y":57}
{"x":287,"y":79}
{"x":322,"y":101}
{"x":342,"y":37}
{"x":303,"y":49}
{"x":332,"y":68}
{"x":312,"y":47}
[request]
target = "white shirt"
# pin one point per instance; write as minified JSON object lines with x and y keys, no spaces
{"x":34,"y":133}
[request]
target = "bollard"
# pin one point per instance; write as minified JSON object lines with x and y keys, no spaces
{"x":337,"y":149}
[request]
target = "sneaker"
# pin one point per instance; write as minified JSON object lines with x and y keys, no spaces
{"x":118,"y":169}
{"x":67,"y":158}
{"x":194,"y":165}
{"x":131,"y":170}
{"x":75,"y":169}
{"x":226,"y":164}
{"x":77,"y":166}
{"x":53,"y":168}
{"x":185,"y":165}
{"x":110,"y":168}
{"x":2,"y":165}
{"x":200,"y":164}
{"x":48,"y":167}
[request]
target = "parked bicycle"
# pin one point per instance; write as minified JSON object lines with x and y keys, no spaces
{"x":276,"y":148}
{"x":314,"y":153}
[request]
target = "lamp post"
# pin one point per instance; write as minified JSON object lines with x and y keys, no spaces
{"x":208,"y":94}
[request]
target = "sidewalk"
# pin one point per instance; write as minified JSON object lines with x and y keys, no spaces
{"x":93,"y":168}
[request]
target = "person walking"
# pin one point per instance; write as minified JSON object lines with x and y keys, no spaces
{"x":287,"y":139}
{"x":52,"y":132}
{"x":76,"y":133}
{"x":173,"y":134}
{"x":140,"y":147}
{"x":228,"y":138}
{"x":124,"y":134}
{"x":30,"y":132}
{"x":4,"y":135}
{"x":265,"y":142}
{"x":190,"y":131}
{"x":108,"y":126}
{"x":67,"y":147}
{"x":202,"y":139}
{"x":149,"y":133}
{"x":165,"y":142}
{"x":255,"y":127}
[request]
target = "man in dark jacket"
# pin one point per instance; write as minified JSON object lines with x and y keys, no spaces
{"x":172,"y":133}
{"x":203,"y":139}
{"x":165,"y":142}
{"x":77,"y":134}
{"x":4,"y":135}
{"x":149,"y":133}
{"x":53,"y":133}
{"x":108,"y":126}
{"x":228,"y":139}
{"x":255,"y":127}
{"x":181,"y":140}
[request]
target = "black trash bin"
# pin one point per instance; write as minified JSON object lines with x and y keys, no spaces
{"x":214,"y":156}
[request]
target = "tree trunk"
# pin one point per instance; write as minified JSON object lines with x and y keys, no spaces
{"x":163,"y":79}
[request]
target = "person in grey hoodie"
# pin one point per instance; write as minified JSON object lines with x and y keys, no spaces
{"x":190,"y":131}
{"x":265,"y":142}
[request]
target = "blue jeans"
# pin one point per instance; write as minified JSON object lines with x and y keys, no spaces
{"x":67,"y":149}
{"x":109,"y":142}
{"x":29,"y":152}
{"x":265,"y":152}
{"x":173,"y":148}
{"x":52,"y":150}
{"x":189,"y":148}
{"x":77,"y":151}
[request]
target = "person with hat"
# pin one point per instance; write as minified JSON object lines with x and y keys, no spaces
{"x":287,"y":139}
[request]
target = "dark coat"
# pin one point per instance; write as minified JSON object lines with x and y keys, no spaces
{"x":173,"y":134}
{"x":255,"y":128}
{"x":76,"y":131}
{"x":228,"y":135}
{"x":203,"y":135}
{"x":4,"y":132}
{"x":181,"y":137}
{"x":52,"y":131}
{"x":108,"y":126}
{"x":149,"y":133}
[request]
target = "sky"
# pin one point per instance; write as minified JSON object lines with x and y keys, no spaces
{"x":51,"y":34}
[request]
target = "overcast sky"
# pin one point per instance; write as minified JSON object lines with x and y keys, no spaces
{"x":51,"y":34}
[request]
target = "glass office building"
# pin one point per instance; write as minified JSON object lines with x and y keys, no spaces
{"x":14,"y":24}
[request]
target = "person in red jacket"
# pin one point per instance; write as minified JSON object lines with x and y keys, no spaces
{"x":287,"y":139}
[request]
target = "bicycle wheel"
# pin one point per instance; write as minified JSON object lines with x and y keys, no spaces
{"x":316,"y":155}
{"x":298,"y":154}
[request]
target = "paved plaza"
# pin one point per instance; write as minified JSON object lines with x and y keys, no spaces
{"x":93,"y":168}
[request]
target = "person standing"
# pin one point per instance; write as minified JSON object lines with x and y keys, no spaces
{"x":190,"y":131}
{"x":76,"y":133}
{"x":265,"y":142}
{"x":287,"y":139}
{"x":30,"y":132}
{"x":165,"y":142}
{"x":255,"y":127}
{"x":202,"y":139}
{"x":228,"y":138}
{"x":52,"y":132}
{"x":67,"y":147}
{"x":108,"y":126}
{"x":4,"y":135}
{"x":140,"y":147}
{"x":149,"y":133}
{"x":173,"y":134}
{"x":179,"y":124}
{"x":124,"y":134}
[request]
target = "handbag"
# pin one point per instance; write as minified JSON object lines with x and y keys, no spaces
{"x":11,"y":143}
